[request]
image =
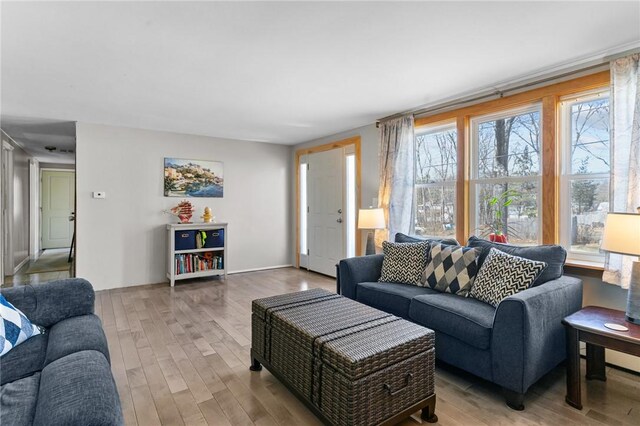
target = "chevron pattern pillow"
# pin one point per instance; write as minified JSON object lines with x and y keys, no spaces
{"x":503,"y":275}
{"x":15,"y":328}
{"x":403,"y":262}
{"x":451,"y":269}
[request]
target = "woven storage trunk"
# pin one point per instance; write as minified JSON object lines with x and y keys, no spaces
{"x":262,"y":310}
{"x":355,"y":364}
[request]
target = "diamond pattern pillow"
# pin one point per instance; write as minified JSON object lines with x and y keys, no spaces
{"x":503,"y":275}
{"x":452,"y":269}
{"x":403,"y":262}
{"x":15,"y":328}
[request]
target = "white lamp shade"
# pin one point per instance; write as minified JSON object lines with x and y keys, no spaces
{"x":371,"y":219}
{"x":622,"y":234}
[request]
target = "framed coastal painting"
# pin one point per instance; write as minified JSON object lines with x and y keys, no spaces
{"x":193,"y":178}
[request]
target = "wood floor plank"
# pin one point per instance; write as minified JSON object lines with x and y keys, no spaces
{"x":180,"y":356}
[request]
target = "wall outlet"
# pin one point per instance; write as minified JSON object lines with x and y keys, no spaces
{"x":99,"y":194}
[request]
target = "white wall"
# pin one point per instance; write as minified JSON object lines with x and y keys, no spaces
{"x":369,"y":140}
{"x":121,"y":240}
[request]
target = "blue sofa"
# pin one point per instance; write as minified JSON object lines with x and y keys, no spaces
{"x":61,"y":377}
{"x":512,"y":345}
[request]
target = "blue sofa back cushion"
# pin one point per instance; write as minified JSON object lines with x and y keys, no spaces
{"x":403,"y":238}
{"x":554,"y":256}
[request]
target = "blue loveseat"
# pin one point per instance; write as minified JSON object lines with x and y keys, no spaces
{"x":512,"y":345}
{"x":61,"y":377}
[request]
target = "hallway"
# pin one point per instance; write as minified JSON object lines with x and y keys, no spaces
{"x":51,"y":265}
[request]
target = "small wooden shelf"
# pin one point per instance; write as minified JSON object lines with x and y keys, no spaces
{"x":173,"y":254}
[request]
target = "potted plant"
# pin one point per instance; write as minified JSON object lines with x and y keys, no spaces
{"x":499,"y":205}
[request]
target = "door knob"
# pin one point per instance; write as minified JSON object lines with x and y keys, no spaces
{"x":339,"y":220}
{"x":340,"y":211}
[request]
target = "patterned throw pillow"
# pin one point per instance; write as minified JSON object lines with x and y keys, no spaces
{"x":452,"y":269}
{"x":15,"y":328}
{"x":503,"y":275}
{"x":403,"y":262}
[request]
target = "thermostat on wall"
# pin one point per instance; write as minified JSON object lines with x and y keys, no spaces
{"x":99,"y":194}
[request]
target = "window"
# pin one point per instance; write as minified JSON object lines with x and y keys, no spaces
{"x":350,"y":204}
{"x":435,"y":179}
{"x":584,"y":192}
{"x":505,"y":183}
{"x":303,"y":207}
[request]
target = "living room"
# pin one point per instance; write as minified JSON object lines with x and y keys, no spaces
{"x":442,"y":120}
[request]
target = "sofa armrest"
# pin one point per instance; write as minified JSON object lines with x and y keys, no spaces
{"x":358,"y":270}
{"x":528,"y":338}
{"x":49,"y":303}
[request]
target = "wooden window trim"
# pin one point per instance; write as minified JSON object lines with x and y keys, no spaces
{"x":549,"y":96}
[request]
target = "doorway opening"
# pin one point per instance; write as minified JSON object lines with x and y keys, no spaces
{"x":39,"y":212}
{"x":327,"y":200}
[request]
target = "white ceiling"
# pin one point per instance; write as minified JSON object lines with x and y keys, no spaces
{"x":283,"y":72}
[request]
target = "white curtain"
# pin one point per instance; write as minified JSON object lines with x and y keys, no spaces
{"x":396,"y":176}
{"x":625,"y":152}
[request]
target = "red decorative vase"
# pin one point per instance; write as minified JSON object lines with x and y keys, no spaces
{"x":497,"y":238}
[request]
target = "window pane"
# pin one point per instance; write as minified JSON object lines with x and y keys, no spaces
{"x":303,"y":208}
{"x":436,"y":156}
{"x":590,"y":136}
{"x":589,"y":207}
{"x":435,"y":211}
{"x":511,"y":209}
{"x":509,"y":146}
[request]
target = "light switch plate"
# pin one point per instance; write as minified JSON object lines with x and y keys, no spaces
{"x":99,"y":194}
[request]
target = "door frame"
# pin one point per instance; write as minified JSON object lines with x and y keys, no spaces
{"x":6,"y":204}
{"x":75,"y":199}
{"x":356,"y":142}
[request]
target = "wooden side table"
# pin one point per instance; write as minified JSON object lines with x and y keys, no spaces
{"x":587,"y":325}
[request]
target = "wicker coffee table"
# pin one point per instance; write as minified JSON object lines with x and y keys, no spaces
{"x":349,"y":363}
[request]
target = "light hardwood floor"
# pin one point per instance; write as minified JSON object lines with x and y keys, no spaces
{"x":181,"y":356}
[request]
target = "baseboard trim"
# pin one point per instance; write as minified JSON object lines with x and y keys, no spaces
{"x":20,"y":265}
{"x":266,"y":268}
{"x":616,"y":367}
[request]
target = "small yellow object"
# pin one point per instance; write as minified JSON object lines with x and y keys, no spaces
{"x":207,"y":216}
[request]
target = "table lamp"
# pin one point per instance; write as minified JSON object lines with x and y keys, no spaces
{"x":622,"y":236}
{"x":371,"y":219}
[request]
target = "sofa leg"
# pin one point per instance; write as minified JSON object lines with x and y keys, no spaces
{"x":514,"y":399}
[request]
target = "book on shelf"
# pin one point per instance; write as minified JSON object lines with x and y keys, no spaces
{"x":195,"y":262}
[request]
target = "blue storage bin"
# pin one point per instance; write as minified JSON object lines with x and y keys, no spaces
{"x":215,"y":238}
{"x":185,"y":240}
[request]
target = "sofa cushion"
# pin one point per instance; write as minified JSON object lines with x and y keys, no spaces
{"x":554,"y":256}
{"x":404,"y":263}
{"x":78,"y":389}
{"x":24,"y":360}
{"x":403,"y":238}
{"x":15,"y":327}
{"x":503,"y":275}
{"x":18,"y":401}
{"x":393,"y":298}
{"x":465,"y":319}
{"x":451,"y":269}
{"x":76,"y":334}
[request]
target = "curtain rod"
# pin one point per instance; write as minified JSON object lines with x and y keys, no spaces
{"x":496,"y":94}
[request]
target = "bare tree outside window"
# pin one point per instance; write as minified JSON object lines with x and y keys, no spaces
{"x":435,"y":176}
{"x":587,"y":172}
{"x":508,"y":162}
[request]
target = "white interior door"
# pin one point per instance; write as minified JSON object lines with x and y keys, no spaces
{"x":325,"y":238}
{"x":58,"y":195}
